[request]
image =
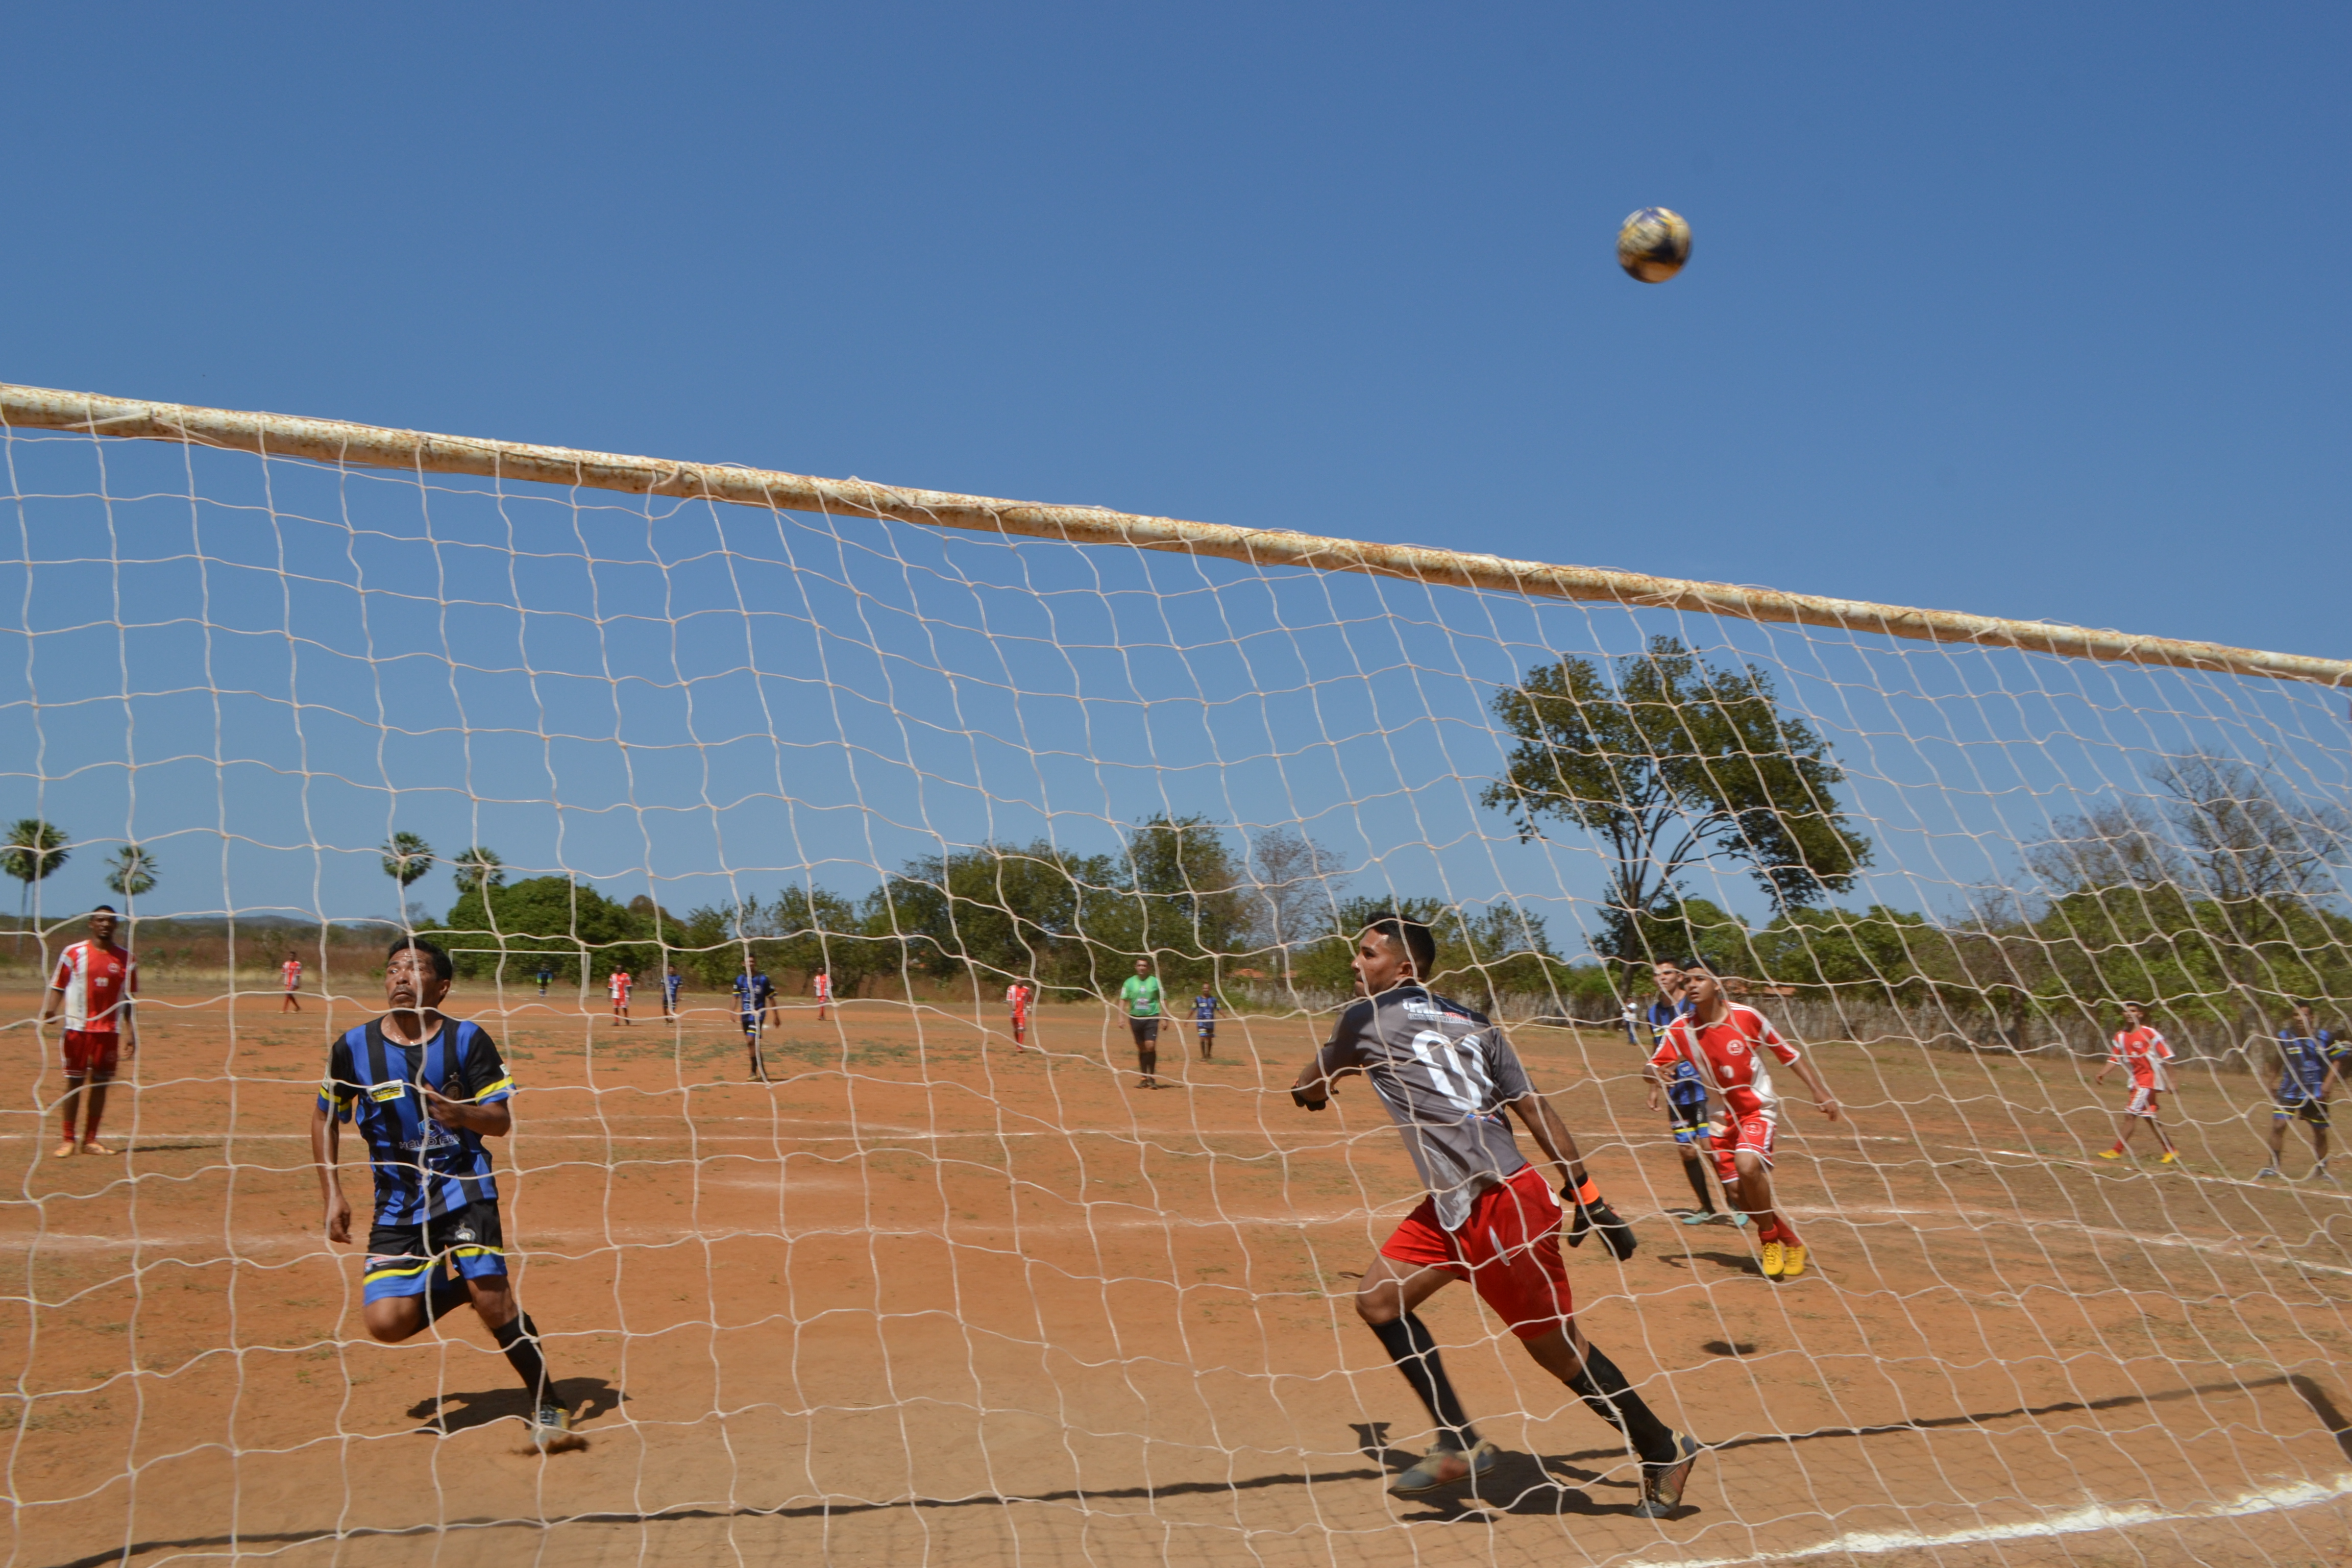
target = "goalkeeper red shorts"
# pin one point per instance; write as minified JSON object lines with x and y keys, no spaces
{"x":1750,"y":1133}
{"x":1508,"y":1248}
{"x":89,"y":1054}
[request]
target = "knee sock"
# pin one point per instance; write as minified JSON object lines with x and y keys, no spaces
{"x":1146,"y":1061}
{"x":1607,"y":1395}
{"x":520,"y":1339}
{"x":1408,"y":1343}
{"x":1696,"y":1171}
{"x":72,"y":1107}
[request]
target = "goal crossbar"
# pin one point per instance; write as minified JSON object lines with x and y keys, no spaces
{"x":371,"y":445}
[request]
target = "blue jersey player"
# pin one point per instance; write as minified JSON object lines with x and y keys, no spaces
{"x":2310,"y":1061}
{"x":1685,"y":1091}
{"x":748,"y":1007}
{"x":1204,"y":1020}
{"x":423,"y":1089}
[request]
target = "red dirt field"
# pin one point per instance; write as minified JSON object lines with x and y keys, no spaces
{"x":928,"y":1300}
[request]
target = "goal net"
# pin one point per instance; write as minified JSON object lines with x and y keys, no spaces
{"x":833,"y":1255}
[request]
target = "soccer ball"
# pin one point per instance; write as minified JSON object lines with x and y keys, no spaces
{"x":1653,"y":244}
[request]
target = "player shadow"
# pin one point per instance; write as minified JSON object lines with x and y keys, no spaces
{"x":443,"y":1415}
{"x":1729,"y":1347}
{"x":1525,"y":1484}
{"x":1736,"y":1262}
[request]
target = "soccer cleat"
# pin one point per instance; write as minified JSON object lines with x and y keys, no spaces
{"x":2268,"y":1171}
{"x":1700,"y":1216}
{"x":1739,"y":1220}
{"x":1445,"y":1467}
{"x":1662,"y":1485}
{"x":2169,"y":1156}
{"x":1775,"y":1260}
{"x":550,"y":1425}
{"x":1792,"y":1260}
{"x":2319,"y":1173}
{"x":2111,"y":1154}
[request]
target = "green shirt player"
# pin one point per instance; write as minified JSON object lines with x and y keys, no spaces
{"x":1140,"y":999}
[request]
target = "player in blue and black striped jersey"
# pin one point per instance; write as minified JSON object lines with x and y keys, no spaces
{"x":1685,"y":1091}
{"x":423,"y":1089}
{"x":2310,"y":1061}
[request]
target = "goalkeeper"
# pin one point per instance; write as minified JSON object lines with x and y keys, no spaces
{"x":1488,"y":1216}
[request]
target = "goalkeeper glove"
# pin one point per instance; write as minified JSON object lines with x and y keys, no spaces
{"x":1593,"y":1213}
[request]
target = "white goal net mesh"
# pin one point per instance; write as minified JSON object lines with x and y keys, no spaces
{"x":930,"y":1294}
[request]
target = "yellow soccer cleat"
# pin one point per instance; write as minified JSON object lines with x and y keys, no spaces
{"x":2168,"y":1157}
{"x":1774,"y":1260}
{"x":2111,"y":1154}
{"x":1792,"y":1260}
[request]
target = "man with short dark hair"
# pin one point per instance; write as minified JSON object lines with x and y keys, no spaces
{"x":94,"y":983}
{"x":1445,"y":1075}
{"x":1141,"y":1000}
{"x":2310,"y":1059}
{"x":424,"y":1089}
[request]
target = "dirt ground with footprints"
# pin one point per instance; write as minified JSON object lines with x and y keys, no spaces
{"x":928,"y":1299}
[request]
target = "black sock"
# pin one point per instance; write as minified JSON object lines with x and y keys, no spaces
{"x":1607,"y":1395}
{"x":444,"y":1296}
{"x":1147,"y":1062}
{"x":520,"y":1339}
{"x":1696,"y":1171}
{"x":1410,"y":1346}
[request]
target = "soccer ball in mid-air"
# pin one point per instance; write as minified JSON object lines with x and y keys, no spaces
{"x":1653,"y":244}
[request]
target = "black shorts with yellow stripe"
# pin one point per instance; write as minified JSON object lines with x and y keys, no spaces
{"x":404,"y":1260}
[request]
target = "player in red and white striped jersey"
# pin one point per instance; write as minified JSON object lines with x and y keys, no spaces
{"x":823,"y":982}
{"x":2143,"y":1051}
{"x":93,"y":985}
{"x":290,"y":973}
{"x":1016,"y":998}
{"x":1731,"y":1046}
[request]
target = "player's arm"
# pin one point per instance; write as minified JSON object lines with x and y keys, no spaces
{"x":2115,"y":1054}
{"x":1584,"y":1194}
{"x":1313,"y":1088}
{"x":1803,"y":1068}
{"x":328,"y":1113}
{"x":126,"y":1016}
{"x":483,"y":1090}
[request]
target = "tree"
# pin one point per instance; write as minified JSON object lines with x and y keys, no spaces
{"x":2117,"y":844}
{"x":34,"y":851}
{"x":1292,"y":882}
{"x":2245,"y":839}
{"x":506,"y":931}
{"x":130,"y":873}
{"x":406,"y":859}
{"x":1674,"y":763}
{"x":476,"y":867}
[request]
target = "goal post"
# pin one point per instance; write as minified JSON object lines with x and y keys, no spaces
{"x":796,"y":842}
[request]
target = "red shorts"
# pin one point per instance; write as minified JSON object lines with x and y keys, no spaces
{"x":1508,"y":1248}
{"x":2142,"y":1102}
{"x":1752,"y":1133}
{"x":91,"y":1054}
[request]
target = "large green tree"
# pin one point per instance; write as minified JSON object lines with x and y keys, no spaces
{"x":507,"y":930}
{"x":1672,"y":762}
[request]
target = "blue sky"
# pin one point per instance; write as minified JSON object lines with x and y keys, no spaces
{"x":2021,"y":311}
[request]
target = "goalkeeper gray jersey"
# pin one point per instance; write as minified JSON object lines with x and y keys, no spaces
{"x":1445,"y":1074}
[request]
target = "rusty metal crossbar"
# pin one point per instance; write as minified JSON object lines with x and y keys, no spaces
{"x":373,"y":446}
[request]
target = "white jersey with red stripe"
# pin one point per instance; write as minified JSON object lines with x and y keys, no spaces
{"x":2145,"y":1052}
{"x":1729,"y":1055}
{"x":824,"y":987}
{"x":1016,"y":996}
{"x":291,"y":972}
{"x":97,"y":981}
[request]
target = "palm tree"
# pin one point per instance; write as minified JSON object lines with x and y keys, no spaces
{"x":479,"y":868}
{"x":406,"y":858}
{"x":34,"y":848}
{"x":130,"y":873}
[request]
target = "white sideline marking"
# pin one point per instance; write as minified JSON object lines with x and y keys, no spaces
{"x":2097,"y":1233}
{"x":2082,"y":1521}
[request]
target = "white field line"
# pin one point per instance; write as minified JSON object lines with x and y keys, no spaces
{"x":2079,"y":1521}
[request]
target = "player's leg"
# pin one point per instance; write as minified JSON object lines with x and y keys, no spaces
{"x":1687,"y":1120}
{"x":1512,"y":1244}
{"x":70,"y":1108}
{"x":2162,"y":1137}
{"x":2280,"y":1115}
{"x":402,"y":1285}
{"x":1784,"y":1251}
{"x":1386,"y":1294}
{"x":2319,"y":1119}
{"x":101,"y":1075}
{"x":1146,"y":1032}
{"x":476,"y":1243}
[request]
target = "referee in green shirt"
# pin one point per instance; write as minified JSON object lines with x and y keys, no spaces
{"x":1142,"y":999}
